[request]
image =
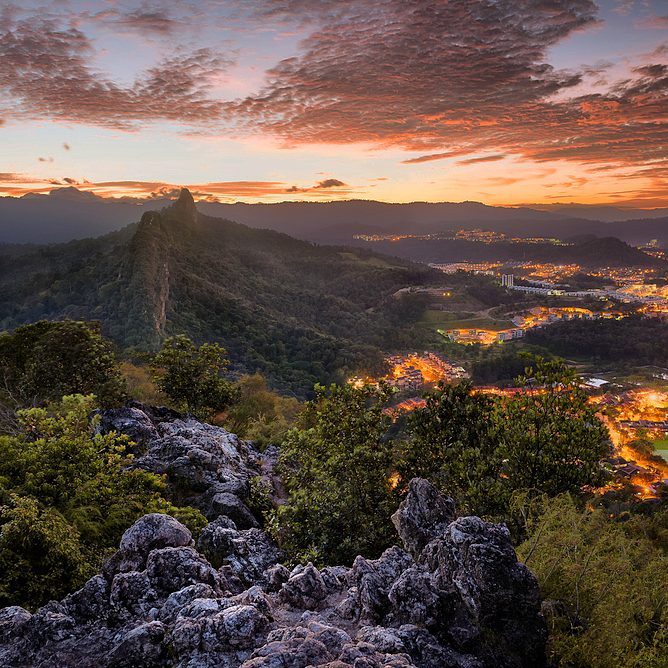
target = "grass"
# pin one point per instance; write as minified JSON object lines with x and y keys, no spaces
{"x":445,"y":320}
{"x":370,"y":261}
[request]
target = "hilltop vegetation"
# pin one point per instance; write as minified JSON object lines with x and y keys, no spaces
{"x":633,"y":340}
{"x":70,"y":486}
{"x":297,"y":312}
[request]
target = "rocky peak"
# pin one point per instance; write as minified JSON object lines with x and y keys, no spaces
{"x":184,"y":207}
{"x":460,"y":599}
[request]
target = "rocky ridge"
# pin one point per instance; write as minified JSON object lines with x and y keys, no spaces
{"x":454,"y":596}
{"x":207,"y":467}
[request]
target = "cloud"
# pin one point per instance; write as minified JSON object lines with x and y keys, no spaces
{"x":325,"y":184}
{"x":329,"y":183}
{"x":432,"y":156}
{"x":16,"y":184}
{"x":455,"y":78}
{"x":485,"y":158}
{"x":155,"y":20}
{"x":654,"y":23}
{"x":415,"y":74}
{"x":45,"y":72}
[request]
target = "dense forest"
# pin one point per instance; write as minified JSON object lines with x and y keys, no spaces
{"x":295,"y":311}
{"x":635,"y":339}
{"x":596,"y":252}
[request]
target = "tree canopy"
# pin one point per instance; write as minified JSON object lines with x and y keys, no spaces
{"x":192,"y":376}
{"x":337,"y":467}
{"x":47,"y":360}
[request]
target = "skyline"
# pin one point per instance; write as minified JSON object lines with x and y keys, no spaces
{"x":500,"y":101}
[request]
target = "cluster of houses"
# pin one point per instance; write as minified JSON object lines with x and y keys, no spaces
{"x":535,"y":317}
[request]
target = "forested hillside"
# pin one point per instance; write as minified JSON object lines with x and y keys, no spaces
{"x":295,"y":311}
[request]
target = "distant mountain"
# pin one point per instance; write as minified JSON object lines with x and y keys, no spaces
{"x":300,"y":313}
{"x":606,"y":214}
{"x":589,"y":252}
{"x":68,"y":213}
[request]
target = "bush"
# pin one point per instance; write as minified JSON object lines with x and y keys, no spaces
{"x":67,"y":495}
{"x":47,"y":360}
{"x":606,"y":584}
{"x":193,"y":377}
{"x":337,"y":468}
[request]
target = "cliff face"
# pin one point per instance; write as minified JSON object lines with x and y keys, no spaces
{"x":454,"y":595}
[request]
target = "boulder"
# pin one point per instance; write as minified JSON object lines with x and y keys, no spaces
{"x":464,"y":602}
{"x":422,"y":516}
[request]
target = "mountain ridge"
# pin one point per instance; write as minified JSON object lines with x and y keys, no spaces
{"x":296,"y":311}
{"x":68,"y":213}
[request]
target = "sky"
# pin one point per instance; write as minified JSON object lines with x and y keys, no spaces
{"x":507,"y":102}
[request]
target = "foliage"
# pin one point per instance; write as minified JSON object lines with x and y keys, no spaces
{"x":47,"y":360}
{"x":336,"y":467}
{"x":453,"y":442}
{"x":67,"y":491}
{"x":41,"y":555}
{"x":260,"y":414}
{"x":498,"y":369}
{"x":607,"y":587}
{"x":140,"y":383}
{"x":259,"y":500}
{"x":551,"y":439}
{"x":193,"y":376}
{"x":635,"y":340}
{"x":545,"y":439}
{"x":296,"y":312}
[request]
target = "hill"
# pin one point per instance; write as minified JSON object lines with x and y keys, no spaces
{"x":290,"y":309}
{"x":589,"y":252}
{"x":67,"y":213}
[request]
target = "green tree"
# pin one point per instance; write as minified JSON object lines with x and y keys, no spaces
{"x":551,"y":438}
{"x":454,"y":442}
{"x":47,"y":360}
{"x":606,"y":585}
{"x":69,"y":493}
{"x":41,"y":554}
{"x":337,"y":468}
{"x":260,"y":414}
{"x":545,"y":439}
{"x":193,"y":377}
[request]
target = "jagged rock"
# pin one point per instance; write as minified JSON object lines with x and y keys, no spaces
{"x":231,"y":506}
{"x":153,"y":531}
{"x":173,"y":568}
{"x":244,"y":555}
{"x":142,"y":647}
{"x":229,"y":628}
{"x":305,"y":588}
{"x":422,"y":516}
{"x":12,"y":620}
{"x":497,"y":592}
{"x":371,"y":581}
{"x":130,"y":421}
{"x":178,"y":600}
{"x":91,"y":601}
{"x":464,"y":602}
{"x":206,"y":466}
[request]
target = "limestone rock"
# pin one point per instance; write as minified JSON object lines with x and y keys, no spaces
{"x":464,"y":602}
{"x":423,"y":515}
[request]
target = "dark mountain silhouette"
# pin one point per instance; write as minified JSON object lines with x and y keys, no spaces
{"x":588,"y":251}
{"x":67,"y":213}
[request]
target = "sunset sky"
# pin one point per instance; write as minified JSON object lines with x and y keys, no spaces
{"x":500,"y":101}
